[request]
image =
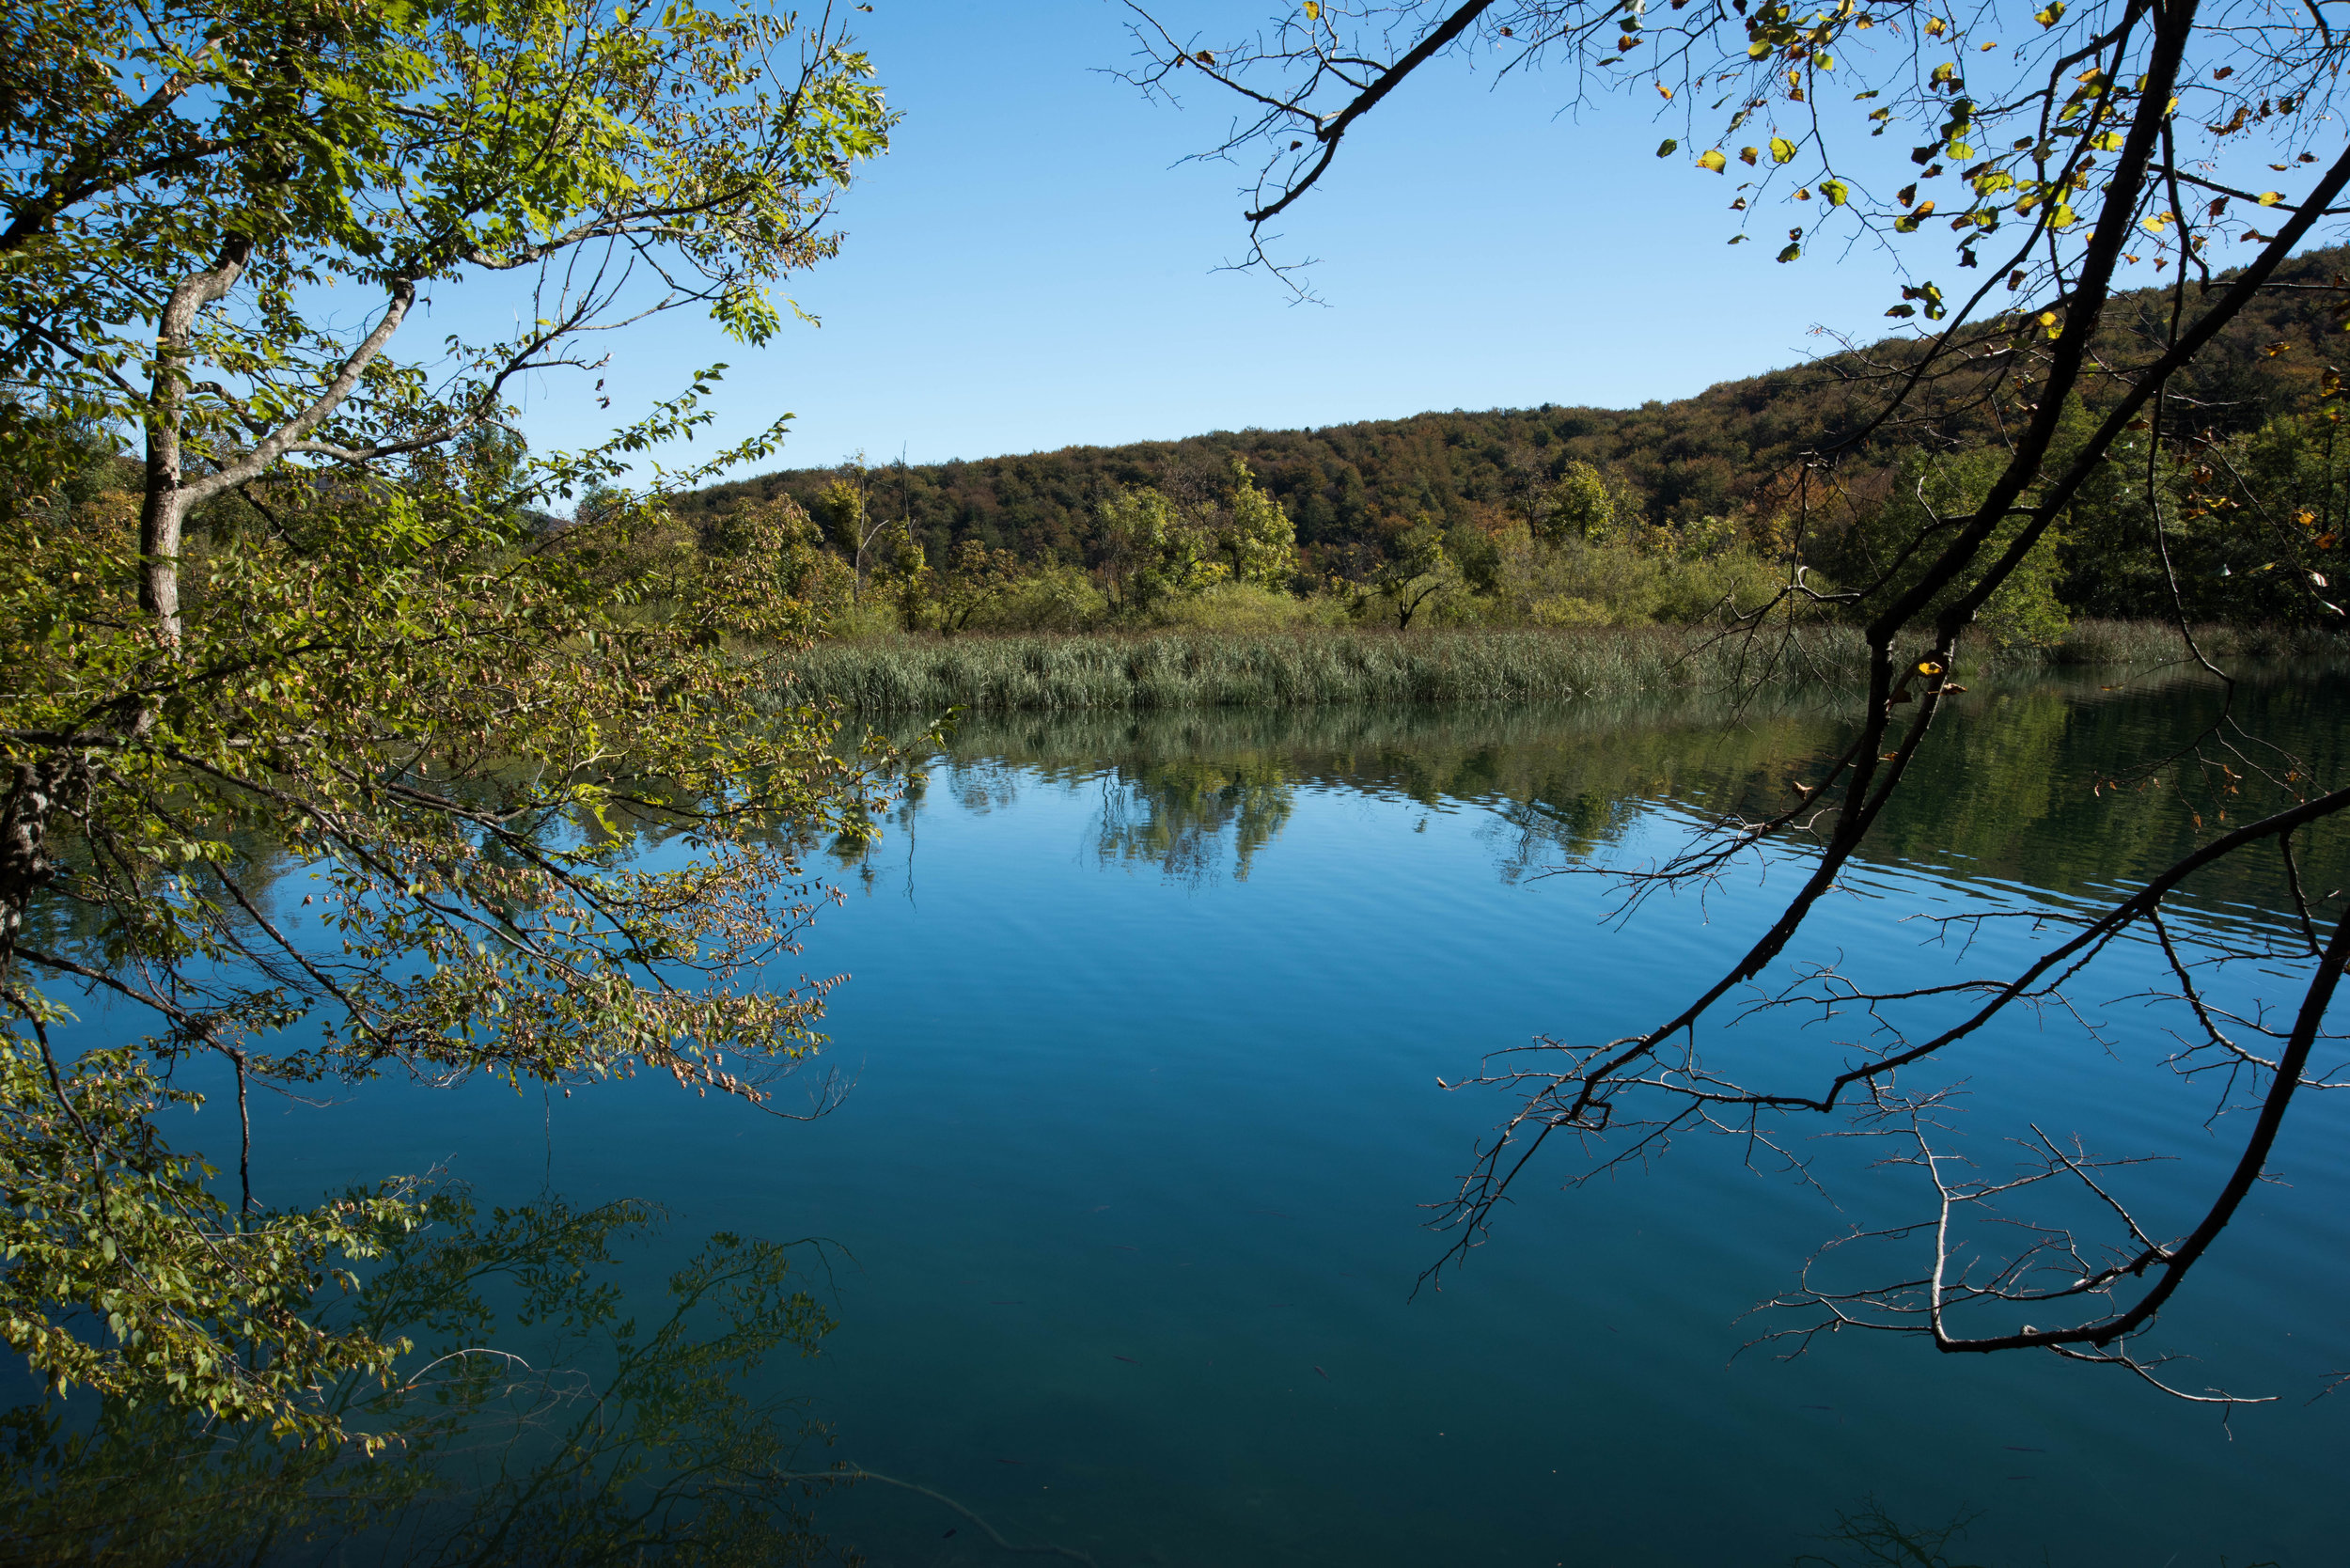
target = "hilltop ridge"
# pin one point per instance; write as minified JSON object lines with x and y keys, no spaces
{"x":1350,"y":488}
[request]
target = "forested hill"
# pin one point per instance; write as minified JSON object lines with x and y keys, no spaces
{"x":1349,"y":488}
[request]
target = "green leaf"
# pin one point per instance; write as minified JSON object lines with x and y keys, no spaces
{"x":1837,"y":192}
{"x":1783,"y":150}
{"x":1666,"y":147}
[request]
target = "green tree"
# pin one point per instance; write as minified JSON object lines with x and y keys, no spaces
{"x":1891,"y":547}
{"x":1254,"y":539}
{"x":1575,"y":505}
{"x":2253,"y":528}
{"x":975,"y":578}
{"x":1151,"y":552}
{"x":1417,"y":573}
{"x":358,"y":785}
{"x":901,"y":575}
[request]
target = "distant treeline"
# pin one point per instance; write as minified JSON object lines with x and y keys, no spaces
{"x":1353,"y":491}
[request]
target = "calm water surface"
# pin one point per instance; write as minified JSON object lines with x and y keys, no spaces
{"x":1146,"y":1023}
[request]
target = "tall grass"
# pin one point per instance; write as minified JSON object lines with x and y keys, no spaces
{"x":1288,"y":668}
{"x":1313,"y":667}
{"x":2138,"y":644}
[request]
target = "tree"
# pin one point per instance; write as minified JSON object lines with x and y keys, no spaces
{"x":1150,"y":551}
{"x":1253,"y":537}
{"x":2053,"y":147}
{"x":1417,"y":573}
{"x":975,"y":577}
{"x":330,"y":750}
{"x":1576,"y":505}
{"x":1929,"y":494}
{"x":2253,"y":521}
{"x":840,"y":509}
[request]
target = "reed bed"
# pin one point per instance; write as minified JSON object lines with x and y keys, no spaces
{"x":1315,"y":667}
{"x":2140,"y":644}
{"x":1287,"y":669}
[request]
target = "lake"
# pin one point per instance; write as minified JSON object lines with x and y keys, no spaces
{"x":1124,"y":1214}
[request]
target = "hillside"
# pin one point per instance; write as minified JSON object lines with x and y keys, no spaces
{"x":1349,"y":488}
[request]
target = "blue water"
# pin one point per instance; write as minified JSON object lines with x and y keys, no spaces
{"x":1130,"y":1190}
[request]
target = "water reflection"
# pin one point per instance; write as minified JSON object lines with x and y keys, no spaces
{"x":544,"y":1416}
{"x":2067,"y":786}
{"x":1176,"y":815}
{"x":1186,"y":1413}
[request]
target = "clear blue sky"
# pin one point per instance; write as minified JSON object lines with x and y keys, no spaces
{"x":1032,"y":266}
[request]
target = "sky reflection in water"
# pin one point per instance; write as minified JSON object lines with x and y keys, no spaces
{"x":1147,"y":1017}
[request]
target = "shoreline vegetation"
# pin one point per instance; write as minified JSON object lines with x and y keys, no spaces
{"x":916,"y":673}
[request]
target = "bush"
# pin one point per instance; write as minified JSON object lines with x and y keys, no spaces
{"x":1234,"y":607}
{"x":1056,"y":599}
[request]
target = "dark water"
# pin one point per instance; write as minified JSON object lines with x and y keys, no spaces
{"x":1126,"y":1207}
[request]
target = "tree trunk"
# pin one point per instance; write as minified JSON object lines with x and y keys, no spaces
{"x":163,"y":509}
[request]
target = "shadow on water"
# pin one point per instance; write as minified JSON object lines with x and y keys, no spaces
{"x":2069,"y":784}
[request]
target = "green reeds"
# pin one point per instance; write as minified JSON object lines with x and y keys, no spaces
{"x":2142,"y":644}
{"x":1300,"y":668}
{"x":1313,"y":667}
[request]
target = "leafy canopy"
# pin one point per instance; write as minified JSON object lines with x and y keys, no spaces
{"x":328,"y":750}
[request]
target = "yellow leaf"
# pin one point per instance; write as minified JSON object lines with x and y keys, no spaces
{"x":1936,"y":27}
{"x":1313,"y":11}
{"x":1712,"y":160}
{"x":1663,"y":92}
{"x":1747,"y":156}
{"x":1783,"y":150}
{"x":2270,"y":198}
{"x":1836,"y":191}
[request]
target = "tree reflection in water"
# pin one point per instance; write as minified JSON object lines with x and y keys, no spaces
{"x":627,"y":1435}
{"x":2020,"y":793}
{"x":1190,"y":792}
{"x":1176,"y":814}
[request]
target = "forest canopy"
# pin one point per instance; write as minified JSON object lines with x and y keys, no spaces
{"x":1691,"y":475}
